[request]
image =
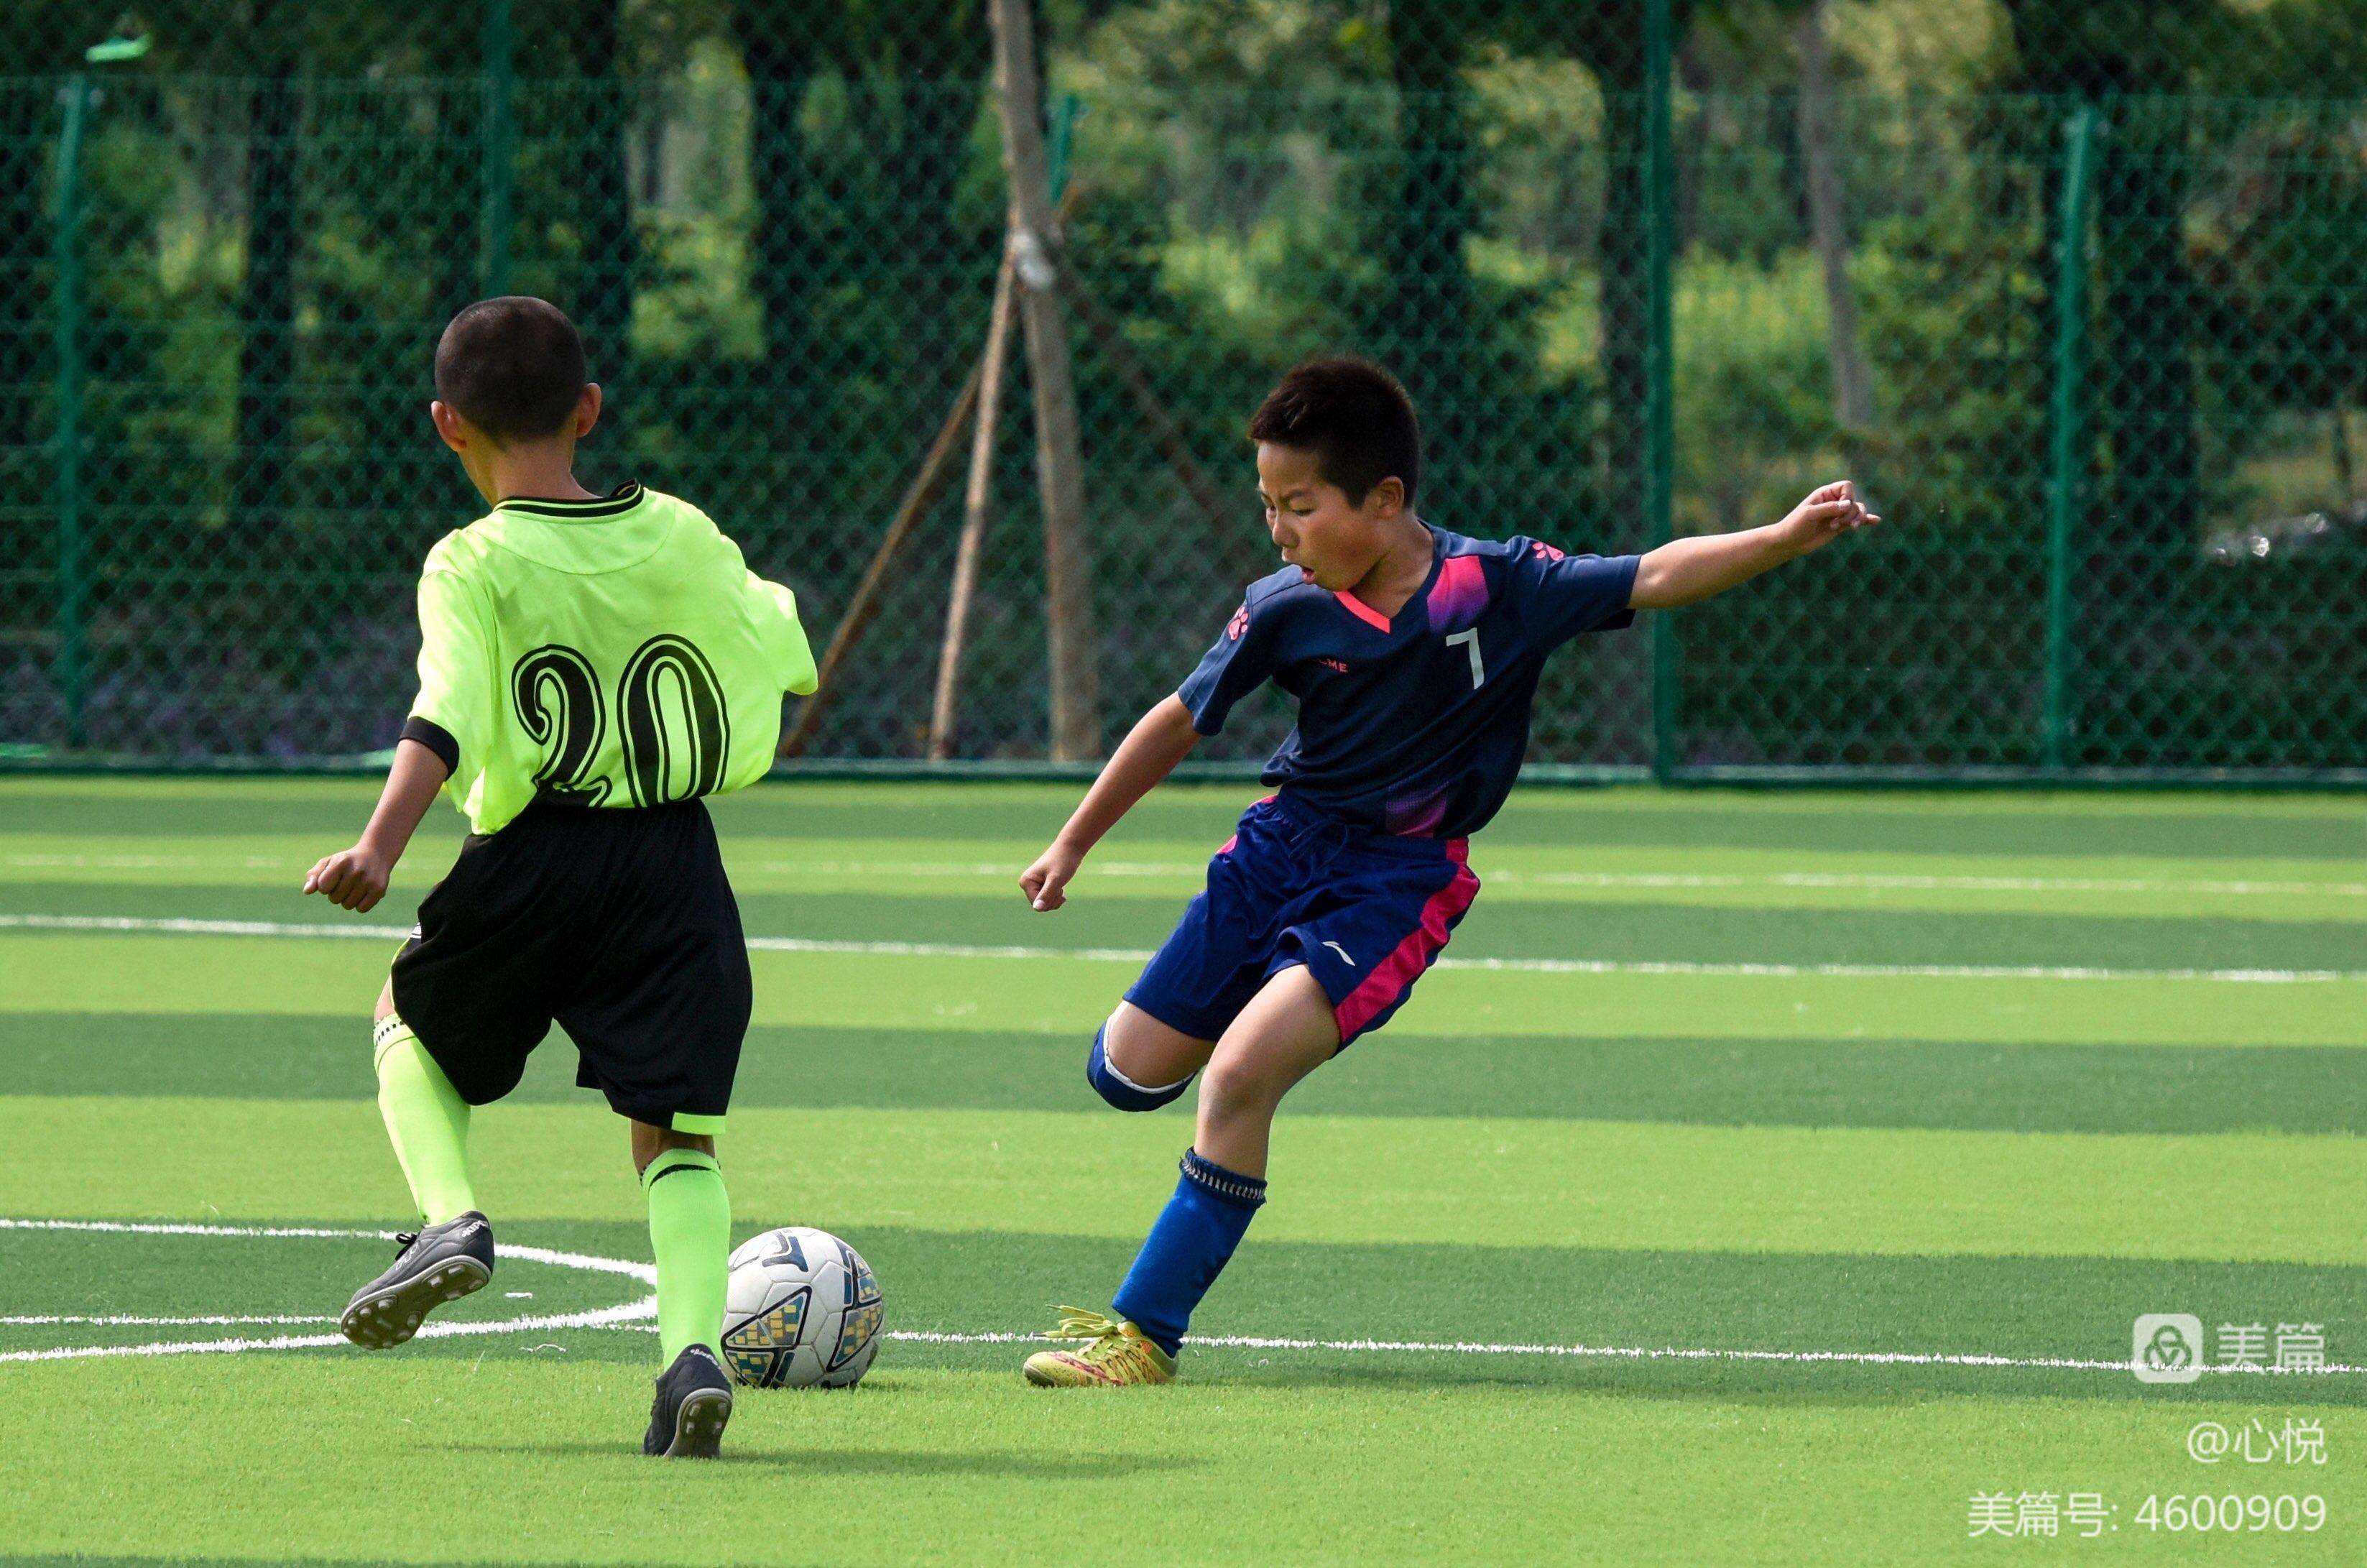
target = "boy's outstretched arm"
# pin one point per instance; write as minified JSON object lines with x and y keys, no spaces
{"x":355,"y":878}
{"x":1687,"y":571}
{"x":1160,"y":739}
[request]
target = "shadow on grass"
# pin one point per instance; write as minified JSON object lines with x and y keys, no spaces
{"x":885,"y":1461}
{"x":1771,"y":1384}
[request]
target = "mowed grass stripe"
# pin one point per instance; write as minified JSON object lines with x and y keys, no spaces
{"x":74,"y":973}
{"x":2315,"y":827}
{"x":1503,"y":1182}
{"x":1408,"y":1470}
{"x":1577,"y":874}
{"x":1623,"y":933}
{"x":964,"y":1285}
{"x":2100,"y":1087}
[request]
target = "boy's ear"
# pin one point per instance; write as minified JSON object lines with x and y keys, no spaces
{"x":587,"y":409}
{"x":1386,"y":499}
{"x":449,"y":425}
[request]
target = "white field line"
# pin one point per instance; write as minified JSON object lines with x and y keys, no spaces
{"x":1844,"y":880}
{"x":1881,"y":882}
{"x":637,"y":1316}
{"x":140,"y":924}
{"x":628,"y":1314}
{"x":144,"y":862}
{"x":121,"y":1320}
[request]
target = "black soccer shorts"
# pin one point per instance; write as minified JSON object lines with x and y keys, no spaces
{"x":616,"y":923}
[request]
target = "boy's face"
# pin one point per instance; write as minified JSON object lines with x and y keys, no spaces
{"x":1333,"y":540}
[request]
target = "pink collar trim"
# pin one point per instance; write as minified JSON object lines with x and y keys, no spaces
{"x":1361,"y":610}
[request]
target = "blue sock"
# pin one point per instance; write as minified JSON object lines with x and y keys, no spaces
{"x":1187,"y":1249}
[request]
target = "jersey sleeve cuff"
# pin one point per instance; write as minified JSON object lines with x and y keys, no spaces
{"x":435,"y":738}
{"x":1624,"y":617}
{"x":1202,"y":722}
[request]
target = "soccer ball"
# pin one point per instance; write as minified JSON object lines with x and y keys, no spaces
{"x":802,"y":1310}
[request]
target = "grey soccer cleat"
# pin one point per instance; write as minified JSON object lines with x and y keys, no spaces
{"x":438,"y":1264}
{"x":694,"y":1402}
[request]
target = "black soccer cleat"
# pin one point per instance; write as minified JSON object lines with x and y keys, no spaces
{"x":694,"y":1404}
{"x":439,"y":1263}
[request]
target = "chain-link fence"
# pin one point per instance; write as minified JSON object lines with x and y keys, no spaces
{"x":2094,"y":343}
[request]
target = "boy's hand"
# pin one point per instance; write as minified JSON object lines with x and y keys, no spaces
{"x":1829,"y":510}
{"x":353,"y":878}
{"x":1046,"y":883}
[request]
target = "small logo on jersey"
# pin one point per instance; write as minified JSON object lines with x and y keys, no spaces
{"x":1342,"y":952}
{"x":1544,"y":551}
{"x":1339,"y":664}
{"x":1238,"y":624}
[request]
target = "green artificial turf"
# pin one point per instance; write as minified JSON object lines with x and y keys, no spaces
{"x":1648,"y":1181}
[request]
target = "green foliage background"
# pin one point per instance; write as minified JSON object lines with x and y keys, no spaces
{"x":778,"y":222}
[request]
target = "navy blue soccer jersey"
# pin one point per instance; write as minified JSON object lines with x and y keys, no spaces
{"x":1413,"y":723}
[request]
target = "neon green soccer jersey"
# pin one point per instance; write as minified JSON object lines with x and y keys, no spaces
{"x":610,"y":652}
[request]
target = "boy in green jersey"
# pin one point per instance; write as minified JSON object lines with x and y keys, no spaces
{"x":589,"y":666}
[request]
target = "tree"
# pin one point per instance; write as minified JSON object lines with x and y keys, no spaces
{"x":781,"y":43}
{"x":1613,"y":48}
{"x":1828,"y":225}
{"x":264,"y":429}
{"x":1426,"y":322}
{"x":42,"y":38}
{"x":604,"y":304}
{"x":2118,"y":54}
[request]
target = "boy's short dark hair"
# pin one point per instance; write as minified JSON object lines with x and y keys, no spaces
{"x":512,"y":367}
{"x":1353,"y":415}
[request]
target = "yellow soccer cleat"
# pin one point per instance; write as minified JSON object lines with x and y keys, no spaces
{"x":1116,"y":1354}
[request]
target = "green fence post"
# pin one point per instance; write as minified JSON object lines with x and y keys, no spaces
{"x":65,"y":256}
{"x":1660,"y":364}
{"x":2068,"y":457}
{"x":499,"y":150}
{"x":1065,"y":115}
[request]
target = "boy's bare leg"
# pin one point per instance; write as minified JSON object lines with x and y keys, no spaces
{"x":650,"y":1141}
{"x":1287,"y":1031}
{"x":1152,"y":1053}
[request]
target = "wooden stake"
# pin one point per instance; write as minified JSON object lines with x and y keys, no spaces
{"x":975,"y":501}
{"x":1059,"y":463}
{"x":927,"y":486}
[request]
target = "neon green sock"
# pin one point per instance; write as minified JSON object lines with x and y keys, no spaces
{"x":427,"y":1120}
{"x":690,"y":1230}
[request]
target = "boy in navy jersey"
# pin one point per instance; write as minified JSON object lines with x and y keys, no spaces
{"x":1414,"y":653}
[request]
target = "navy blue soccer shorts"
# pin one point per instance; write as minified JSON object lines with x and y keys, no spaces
{"x":1367,"y":912}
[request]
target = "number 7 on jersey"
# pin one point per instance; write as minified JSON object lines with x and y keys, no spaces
{"x":1469,"y":638}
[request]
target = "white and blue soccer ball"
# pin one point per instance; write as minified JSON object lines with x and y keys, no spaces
{"x":802,"y":1310}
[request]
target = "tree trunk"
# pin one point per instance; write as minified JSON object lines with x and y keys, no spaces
{"x":1076,"y":696}
{"x":605,"y":308}
{"x":2146,"y":392}
{"x":1427,"y":329}
{"x":29,"y":134}
{"x":944,"y":272}
{"x":267,"y":361}
{"x":779,"y":43}
{"x":1615,"y":53}
{"x":1827,"y":230}
{"x":2145,"y":386}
